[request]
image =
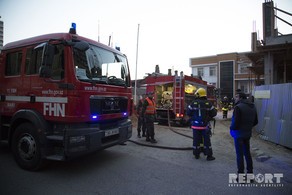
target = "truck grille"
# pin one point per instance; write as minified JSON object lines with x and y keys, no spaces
{"x":108,"y":105}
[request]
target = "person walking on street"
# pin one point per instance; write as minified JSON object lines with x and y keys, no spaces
{"x":201,"y":112}
{"x":141,"y":122}
{"x":148,"y":112}
{"x":244,"y":118}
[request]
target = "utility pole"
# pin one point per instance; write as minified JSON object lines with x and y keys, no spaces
{"x":98,"y":32}
{"x":135,"y":89}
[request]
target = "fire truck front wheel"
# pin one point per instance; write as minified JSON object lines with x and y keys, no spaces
{"x":26,"y":147}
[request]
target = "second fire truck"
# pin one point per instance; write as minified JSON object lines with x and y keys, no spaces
{"x":173,"y":93}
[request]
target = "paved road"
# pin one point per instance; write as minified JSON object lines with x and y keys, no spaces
{"x":136,"y":169}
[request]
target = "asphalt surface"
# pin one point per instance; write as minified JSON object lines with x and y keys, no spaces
{"x":268,"y":158}
{"x":167,"y":167}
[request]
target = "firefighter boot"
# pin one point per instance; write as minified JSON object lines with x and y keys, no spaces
{"x":196,"y":154}
{"x":209,"y":158}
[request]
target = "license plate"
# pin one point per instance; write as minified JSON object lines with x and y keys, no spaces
{"x":111,"y":132}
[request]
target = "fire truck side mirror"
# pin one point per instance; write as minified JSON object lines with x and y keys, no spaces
{"x":81,"y":45}
{"x":47,"y":59}
{"x":48,"y":55}
{"x":48,"y":52}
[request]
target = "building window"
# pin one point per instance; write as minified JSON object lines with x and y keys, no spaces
{"x":243,"y":88}
{"x":212,"y":71}
{"x":201,"y":72}
{"x":242,"y":68}
{"x":226,"y":78}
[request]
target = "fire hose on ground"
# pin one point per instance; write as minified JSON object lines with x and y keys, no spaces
{"x":166,"y":147}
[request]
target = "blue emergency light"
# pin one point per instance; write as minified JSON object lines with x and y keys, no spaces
{"x":94,"y":116}
{"x":73,"y":25}
{"x":73,"y":28}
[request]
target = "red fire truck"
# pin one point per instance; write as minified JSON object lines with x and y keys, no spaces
{"x":62,"y":96}
{"x":211,"y":94}
{"x":173,"y":93}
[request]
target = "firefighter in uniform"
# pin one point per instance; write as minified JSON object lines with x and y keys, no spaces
{"x":201,"y":112}
{"x":141,"y":122}
{"x":148,"y":112}
{"x":225,"y":106}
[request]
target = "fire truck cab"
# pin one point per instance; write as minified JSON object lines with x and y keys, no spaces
{"x":62,"y":96}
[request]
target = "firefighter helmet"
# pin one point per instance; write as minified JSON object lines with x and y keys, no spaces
{"x":201,"y":92}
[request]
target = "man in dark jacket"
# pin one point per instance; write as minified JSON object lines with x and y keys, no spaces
{"x":243,"y":119}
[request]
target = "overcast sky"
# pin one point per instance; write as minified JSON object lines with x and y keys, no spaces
{"x":171,"y":31}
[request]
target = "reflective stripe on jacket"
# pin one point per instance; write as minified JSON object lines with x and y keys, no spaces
{"x":151,"y":107}
{"x":199,"y":128}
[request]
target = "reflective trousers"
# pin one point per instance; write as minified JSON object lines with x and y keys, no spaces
{"x":200,"y":136}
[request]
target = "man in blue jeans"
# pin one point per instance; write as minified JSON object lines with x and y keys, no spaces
{"x":243,"y":120}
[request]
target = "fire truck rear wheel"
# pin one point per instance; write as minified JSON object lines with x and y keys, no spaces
{"x":26,"y":147}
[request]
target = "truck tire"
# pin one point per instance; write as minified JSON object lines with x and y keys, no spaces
{"x":26,"y":147}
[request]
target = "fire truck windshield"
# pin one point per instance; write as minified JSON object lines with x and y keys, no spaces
{"x":98,"y":65}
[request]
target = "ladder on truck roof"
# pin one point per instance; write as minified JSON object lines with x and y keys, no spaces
{"x":177,"y":94}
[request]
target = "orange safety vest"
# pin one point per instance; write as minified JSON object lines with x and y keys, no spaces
{"x":151,"y":106}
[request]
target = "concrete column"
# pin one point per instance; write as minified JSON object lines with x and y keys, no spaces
{"x":269,"y":68}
